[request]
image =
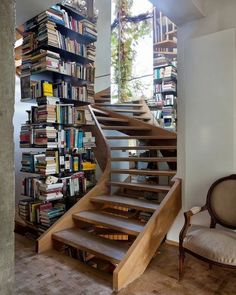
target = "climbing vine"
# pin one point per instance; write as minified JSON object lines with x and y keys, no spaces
{"x":126,"y":32}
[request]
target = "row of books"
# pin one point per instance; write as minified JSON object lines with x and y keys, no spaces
{"x":37,"y":188}
{"x":165,"y":72}
{"x":162,"y":99}
{"x":37,"y":212}
{"x":59,"y":16}
{"x":46,"y":60}
{"x":60,"y":89}
{"x":165,"y":86}
{"x":58,"y":113}
{"x":52,"y":162}
{"x":69,"y":138}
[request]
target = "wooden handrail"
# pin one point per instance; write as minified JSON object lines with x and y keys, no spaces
{"x":144,"y":247}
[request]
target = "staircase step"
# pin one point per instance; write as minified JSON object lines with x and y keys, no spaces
{"x":144,"y":159}
{"x":133,"y":111}
{"x":128,"y":226}
{"x":103,"y":248}
{"x":142,"y":118}
{"x":144,"y":172}
{"x":144,"y":148}
{"x":119,"y":104}
{"x":141,"y":186}
{"x":131,"y":128}
{"x":126,"y":202}
{"x":110,"y":119}
{"x":142,"y":137}
{"x":96,"y":111}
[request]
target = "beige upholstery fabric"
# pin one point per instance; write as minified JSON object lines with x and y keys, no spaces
{"x":223,"y":201}
{"x":214,"y":244}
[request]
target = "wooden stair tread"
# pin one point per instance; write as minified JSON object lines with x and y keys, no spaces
{"x":144,"y":172}
{"x":101,"y":112}
{"x":127,"y":202}
{"x":144,"y":159}
{"x":138,"y":128}
{"x":103,"y":248}
{"x":120,"y":104}
{"x":134,"y":111}
{"x":142,"y":118}
{"x":128,"y":226}
{"x":144,"y":148}
{"x":142,"y":137}
{"x":110,"y":119}
{"x":141,"y":186}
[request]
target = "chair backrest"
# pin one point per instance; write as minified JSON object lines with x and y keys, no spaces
{"x":221,"y":201}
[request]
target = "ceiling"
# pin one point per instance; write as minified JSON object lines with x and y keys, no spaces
{"x":26,"y":9}
{"x":181,"y":11}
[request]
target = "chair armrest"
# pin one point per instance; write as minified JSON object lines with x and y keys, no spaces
{"x":187,"y":223}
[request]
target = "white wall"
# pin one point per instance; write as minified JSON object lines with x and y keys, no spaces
{"x":206,"y":110}
{"x":103,"y":50}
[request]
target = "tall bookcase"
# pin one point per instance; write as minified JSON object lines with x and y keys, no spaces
{"x":57,"y":77}
{"x":164,"y":102}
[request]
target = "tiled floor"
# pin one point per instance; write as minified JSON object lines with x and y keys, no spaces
{"x":52,"y":273}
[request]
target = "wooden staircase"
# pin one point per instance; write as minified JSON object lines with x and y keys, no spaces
{"x":121,"y":222}
{"x":137,"y":109}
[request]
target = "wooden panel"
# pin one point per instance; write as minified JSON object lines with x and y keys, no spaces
{"x":142,"y":186}
{"x":143,"y":148}
{"x":108,"y":119}
{"x":146,"y":244}
{"x":166,"y":44}
{"x":103,"y":248}
{"x":123,"y":128}
{"x":132,"y":111}
{"x":141,"y":137}
{"x":144,"y":172}
{"x":119,"y":105}
{"x":128,"y":226}
{"x":144,"y":159}
{"x":127,"y":202}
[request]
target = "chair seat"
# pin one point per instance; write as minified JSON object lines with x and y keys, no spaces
{"x":214,"y":244}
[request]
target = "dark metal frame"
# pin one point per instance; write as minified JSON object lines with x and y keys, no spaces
{"x":214,"y":220}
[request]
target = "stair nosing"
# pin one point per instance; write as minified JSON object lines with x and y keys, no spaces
{"x":144,"y":172}
{"x":144,"y":159}
{"x":109,"y":223}
{"x":108,"y":244}
{"x":143,"y":205}
{"x":144,"y":186}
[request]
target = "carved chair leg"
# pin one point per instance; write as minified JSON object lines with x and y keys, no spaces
{"x":181,"y":263}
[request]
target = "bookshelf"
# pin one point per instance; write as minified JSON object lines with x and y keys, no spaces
{"x":164,"y":102}
{"x":57,"y":78}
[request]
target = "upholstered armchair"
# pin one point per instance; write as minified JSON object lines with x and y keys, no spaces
{"x":212,"y":245}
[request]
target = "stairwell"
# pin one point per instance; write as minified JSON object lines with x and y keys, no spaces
{"x":118,"y":226}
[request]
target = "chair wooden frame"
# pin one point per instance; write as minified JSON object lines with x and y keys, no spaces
{"x":214,"y":220}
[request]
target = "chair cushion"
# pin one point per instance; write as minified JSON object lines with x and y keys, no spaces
{"x":215,"y":244}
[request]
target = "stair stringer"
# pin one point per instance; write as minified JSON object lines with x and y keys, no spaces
{"x":102,"y":154}
{"x":144,"y":247}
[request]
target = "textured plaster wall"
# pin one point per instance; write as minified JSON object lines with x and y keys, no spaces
{"x":7,"y":84}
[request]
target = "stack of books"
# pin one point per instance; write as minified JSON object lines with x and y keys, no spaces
{"x":47,"y":33}
{"x":49,"y":216}
{"x":45,"y":136}
{"x":168,"y":86}
{"x":47,"y":164}
{"x":24,"y":208}
{"x":88,"y":140}
{"x":26,"y":136}
{"x":89,"y":29}
{"x":170,"y":72}
{"x":47,"y":114}
{"x":54,"y":14}
{"x":28,"y":161}
{"x":91,"y":48}
{"x":49,"y":192}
